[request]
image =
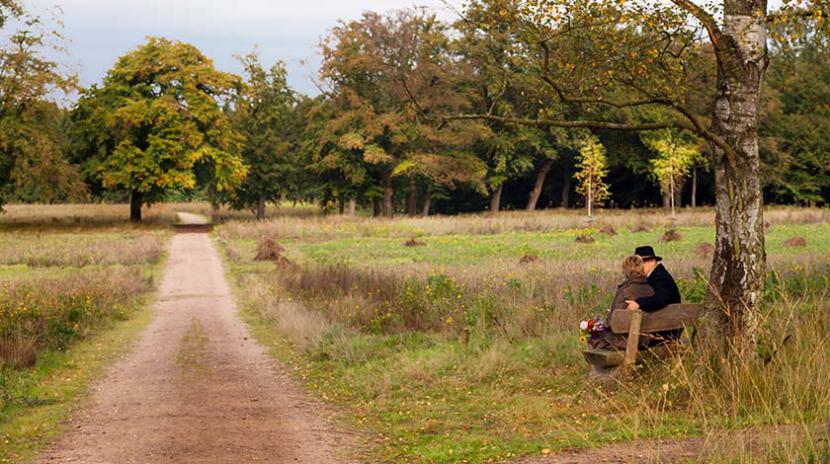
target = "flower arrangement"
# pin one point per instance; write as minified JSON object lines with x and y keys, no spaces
{"x":590,"y":328}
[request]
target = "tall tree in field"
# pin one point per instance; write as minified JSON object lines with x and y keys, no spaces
{"x":265,"y":113}
{"x":156,"y":120}
{"x":383,"y":74}
{"x":33,"y":162}
{"x":491,"y":75}
{"x":591,"y":169}
{"x":675,"y":159}
{"x":628,"y":65}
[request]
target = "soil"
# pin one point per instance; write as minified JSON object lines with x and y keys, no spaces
{"x":671,"y":235}
{"x":585,"y":239}
{"x":197,"y":388}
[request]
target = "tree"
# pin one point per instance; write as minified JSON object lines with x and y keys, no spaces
{"x":265,"y":113}
{"x":156,"y":120}
{"x":383,"y":74}
{"x":592,"y":167}
{"x":628,"y":65}
{"x":795,"y":129}
{"x":33,"y":163}
{"x":675,"y":158}
{"x":490,"y":73}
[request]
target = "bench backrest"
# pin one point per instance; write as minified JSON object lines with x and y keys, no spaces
{"x":675,"y":316}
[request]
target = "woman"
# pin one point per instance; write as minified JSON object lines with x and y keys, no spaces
{"x":634,"y":286}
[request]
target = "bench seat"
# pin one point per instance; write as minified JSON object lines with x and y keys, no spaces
{"x":624,"y":321}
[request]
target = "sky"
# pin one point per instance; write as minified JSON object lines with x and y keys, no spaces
{"x":99,"y":31}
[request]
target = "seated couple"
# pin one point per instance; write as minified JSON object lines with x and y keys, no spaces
{"x":647,"y":286}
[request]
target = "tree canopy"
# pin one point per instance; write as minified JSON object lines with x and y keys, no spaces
{"x":156,"y":118}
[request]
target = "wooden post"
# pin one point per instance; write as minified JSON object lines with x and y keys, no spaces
{"x":633,"y":341}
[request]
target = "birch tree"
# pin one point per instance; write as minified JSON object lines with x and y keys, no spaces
{"x":675,"y":159}
{"x":591,"y":169}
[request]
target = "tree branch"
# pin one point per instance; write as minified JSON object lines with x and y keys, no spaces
{"x":703,"y":16}
{"x":583,"y":123}
{"x":572,"y":99}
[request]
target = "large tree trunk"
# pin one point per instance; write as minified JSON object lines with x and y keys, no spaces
{"x":136,"y":200}
{"x":352,"y":208}
{"x":427,"y":204}
{"x":678,"y":193}
{"x":739,"y":266}
{"x":260,"y":207}
{"x":376,"y":207}
{"x":541,"y":175}
{"x":387,"y":195}
{"x":495,"y":199}
{"x":566,"y":192}
{"x":412,"y":197}
{"x":694,"y":187}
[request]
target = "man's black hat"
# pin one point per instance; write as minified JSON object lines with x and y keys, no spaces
{"x":647,"y":252}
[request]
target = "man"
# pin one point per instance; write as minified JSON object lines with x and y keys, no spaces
{"x":665,"y":288}
{"x":665,"y":293}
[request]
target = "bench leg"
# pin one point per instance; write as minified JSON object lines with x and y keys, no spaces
{"x":633,"y":341}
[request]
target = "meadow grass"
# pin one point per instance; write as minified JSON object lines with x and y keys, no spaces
{"x":70,"y":301}
{"x":76,"y":217}
{"x":455,"y":351}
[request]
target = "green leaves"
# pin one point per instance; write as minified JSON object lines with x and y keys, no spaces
{"x":159,"y":112}
{"x":676,"y":156}
{"x":592,"y":167}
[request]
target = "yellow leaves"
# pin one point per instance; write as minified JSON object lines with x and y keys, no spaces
{"x":374,"y":154}
{"x":351,"y":141}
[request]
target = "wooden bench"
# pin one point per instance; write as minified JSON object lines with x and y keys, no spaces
{"x":638,"y":322}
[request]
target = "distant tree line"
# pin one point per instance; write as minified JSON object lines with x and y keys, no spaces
{"x":164,"y":123}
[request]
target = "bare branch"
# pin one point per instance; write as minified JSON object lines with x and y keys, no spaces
{"x":703,"y":16}
{"x":585,"y":123}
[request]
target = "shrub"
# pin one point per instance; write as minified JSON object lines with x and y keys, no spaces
{"x":41,"y":314}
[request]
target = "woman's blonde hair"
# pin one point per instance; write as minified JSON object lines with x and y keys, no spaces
{"x":633,"y":267}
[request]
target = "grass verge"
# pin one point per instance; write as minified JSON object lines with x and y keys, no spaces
{"x":57,"y":385}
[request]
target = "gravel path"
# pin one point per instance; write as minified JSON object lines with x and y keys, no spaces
{"x":197,"y":388}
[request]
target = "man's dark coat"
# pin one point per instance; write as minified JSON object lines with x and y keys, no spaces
{"x":665,"y":290}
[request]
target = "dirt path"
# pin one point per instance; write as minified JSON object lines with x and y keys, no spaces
{"x":191,"y":218}
{"x":197,"y":388}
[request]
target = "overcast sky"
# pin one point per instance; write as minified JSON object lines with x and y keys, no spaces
{"x":99,"y":31}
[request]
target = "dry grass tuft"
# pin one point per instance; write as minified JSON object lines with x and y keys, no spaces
{"x":529,"y":259}
{"x":640,"y":227}
{"x":585,"y":239}
{"x":796,"y":242}
{"x":269,"y":250}
{"x":608,"y":229}
{"x":412,"y":242}
{"x":671,"y":235}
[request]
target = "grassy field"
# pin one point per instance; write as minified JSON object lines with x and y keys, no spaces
{"x":463,"y":348}
{"x":444,"y":339}
{"x":72,"y":297}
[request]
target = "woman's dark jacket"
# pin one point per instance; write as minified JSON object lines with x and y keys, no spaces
{"x":630,"y":289}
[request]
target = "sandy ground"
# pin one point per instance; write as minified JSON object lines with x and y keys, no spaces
{"x":197,"y":388}
{"x":190,"y":218}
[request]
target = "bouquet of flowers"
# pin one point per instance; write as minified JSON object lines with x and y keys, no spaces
{"x":590,"y":328}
